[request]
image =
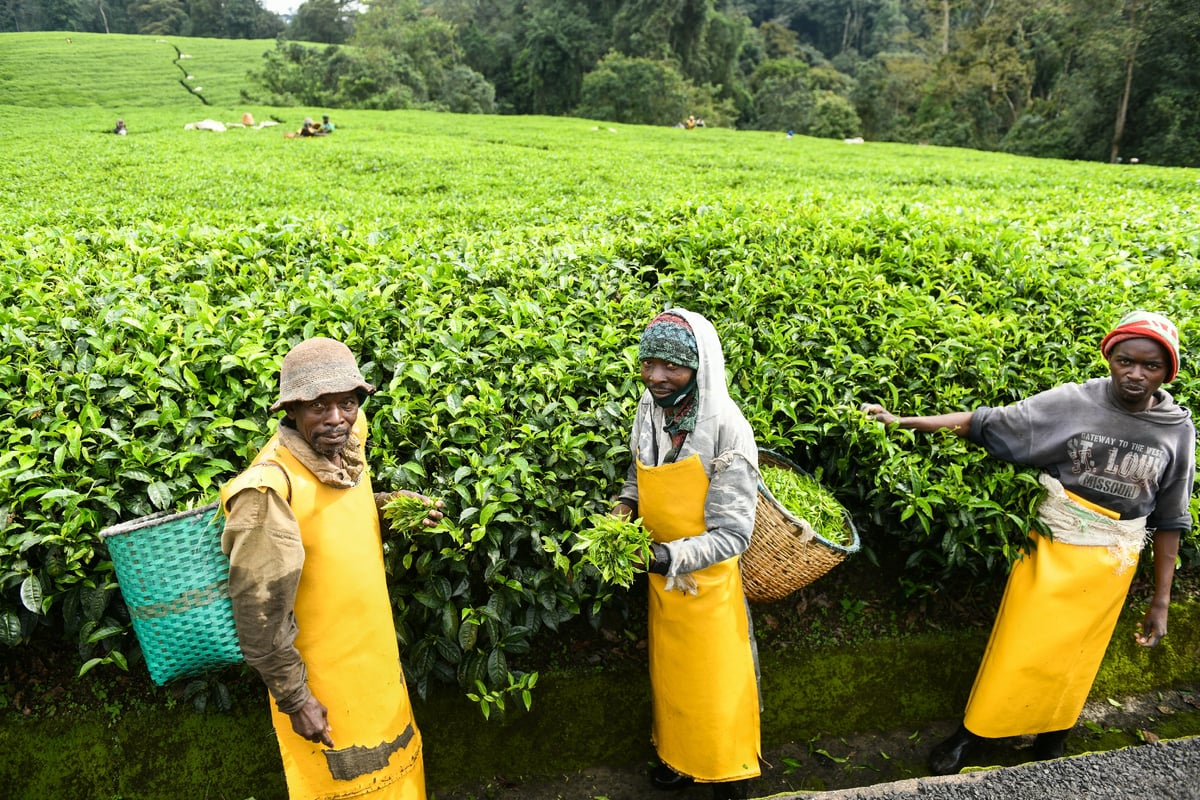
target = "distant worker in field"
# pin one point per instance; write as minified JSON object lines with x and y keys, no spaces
{"x":248,"y":119}
{"x":120,"y":130}
{"x":1117,"y":456}
{"x":693,"y":481}
{"x":326,"y":125}
{"x":309,"y":592}
{"x":310,"y":128}
{"x":691,"y":122}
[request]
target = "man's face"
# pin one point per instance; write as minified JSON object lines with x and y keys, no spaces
{"x":1138,"y":368}
{"x":325,"y":423}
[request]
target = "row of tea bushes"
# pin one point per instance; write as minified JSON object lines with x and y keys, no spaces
{"x":142,"y":361}
{"x":493,"y":278}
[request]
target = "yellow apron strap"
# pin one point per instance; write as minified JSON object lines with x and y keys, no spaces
{"x":262,"y":476}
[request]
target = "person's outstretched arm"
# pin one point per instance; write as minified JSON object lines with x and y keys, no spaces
{"x":958,"y":422}
{"x":1154,"y":625}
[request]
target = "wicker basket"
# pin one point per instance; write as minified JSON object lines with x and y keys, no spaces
{"x":175,"y":581}
{"x":780,"y":560}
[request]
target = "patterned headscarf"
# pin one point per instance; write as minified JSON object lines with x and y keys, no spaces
{"x":670,"y":338}
{"x":1146,"y":325}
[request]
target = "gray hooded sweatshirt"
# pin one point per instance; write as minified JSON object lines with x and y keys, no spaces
{"x":1134,"y":463}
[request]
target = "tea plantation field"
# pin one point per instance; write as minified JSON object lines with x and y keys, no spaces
{"x":493,"y":273}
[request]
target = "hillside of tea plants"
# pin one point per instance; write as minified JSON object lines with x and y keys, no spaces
{"x":493,"y":275}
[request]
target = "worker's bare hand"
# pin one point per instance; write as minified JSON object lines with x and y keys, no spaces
{"x":1152,"y":628}
{"x":878,"y":413}
{"x":311,"y":722}
{"x":434,"y":515}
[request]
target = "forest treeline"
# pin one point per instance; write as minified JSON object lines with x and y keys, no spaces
{"x":1105,"y":80}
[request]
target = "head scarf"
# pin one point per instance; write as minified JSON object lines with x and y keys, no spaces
{"x":669,"y":337}
{"x":1146,"y":325}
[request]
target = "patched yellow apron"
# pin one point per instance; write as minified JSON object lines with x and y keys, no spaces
{"x":348,"y":641}
{"x":706,"y":721}
{"x":1059,"y":610}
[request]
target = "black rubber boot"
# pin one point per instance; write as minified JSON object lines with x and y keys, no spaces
{"x":731,"y":790}
{"x":663,"y":777}
{"x":1050,"y":745}
{"x":951,"y":755}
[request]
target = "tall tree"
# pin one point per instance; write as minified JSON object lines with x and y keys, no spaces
{"x":1133,"y":13}
{"x":1162,"y":119}
{"x":160,"y":17}
{"x":662,"y":30}
{"x":718,"y":61}
{"x":558,"y":48}
{"x":412,"y":33}
{"x":634,"y":90}
{"x":783,"y":96}
{"x":57,"y":15}
{"x":206,"y":16}
{"x":325,"y":21}
{"x":246,"y":19}
{"x":405,"y":26}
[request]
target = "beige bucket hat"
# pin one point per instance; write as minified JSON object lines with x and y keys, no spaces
{"x":315,"y":367}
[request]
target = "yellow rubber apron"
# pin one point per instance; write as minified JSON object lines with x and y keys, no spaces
{"x":348,"y":641}
{"x":705,"y":720}
{"x":1057,"y":616}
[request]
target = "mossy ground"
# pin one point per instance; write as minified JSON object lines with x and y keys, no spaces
{"x":858,"y":683}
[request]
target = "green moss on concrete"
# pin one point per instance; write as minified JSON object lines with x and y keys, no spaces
{"x":886,"y":684}
{"x":1129,"y":668}
{"x":150,"y":753}
{"x":1178,"y":726}
{"x":57,"y":758}
{"x":239,"y":757}
{"x":579,"y":719}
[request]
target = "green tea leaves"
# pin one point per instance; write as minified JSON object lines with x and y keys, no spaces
{"x":804,"y":497}
{"x":616,"y":548}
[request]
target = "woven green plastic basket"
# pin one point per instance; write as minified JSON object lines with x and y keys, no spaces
{"x":175,"y":581}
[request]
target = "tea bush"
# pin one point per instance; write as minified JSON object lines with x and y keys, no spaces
{"x":493,"y":277}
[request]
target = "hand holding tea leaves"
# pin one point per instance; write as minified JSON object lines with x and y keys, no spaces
{"x":618,"y":547}
{"x":405,"y":510}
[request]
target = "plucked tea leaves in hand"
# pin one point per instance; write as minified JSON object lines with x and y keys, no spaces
{"x":805,"y":498}
{"x":618,"y":548}
{"x":405,"y":512}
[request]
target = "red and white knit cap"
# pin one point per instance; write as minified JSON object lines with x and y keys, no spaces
{"x":1146,"y":325}
{"x":316,"y":367}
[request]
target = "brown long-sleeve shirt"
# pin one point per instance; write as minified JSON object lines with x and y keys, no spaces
{"x":266,"y":557}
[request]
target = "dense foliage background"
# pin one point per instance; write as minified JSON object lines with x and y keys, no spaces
{"x":493,"y":275}
{"x":1102,"y":80}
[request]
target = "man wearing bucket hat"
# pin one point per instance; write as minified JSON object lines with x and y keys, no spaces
{"x":309,"y":593}
{"x":694,"y":482}
{"x":1117,"y":456}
